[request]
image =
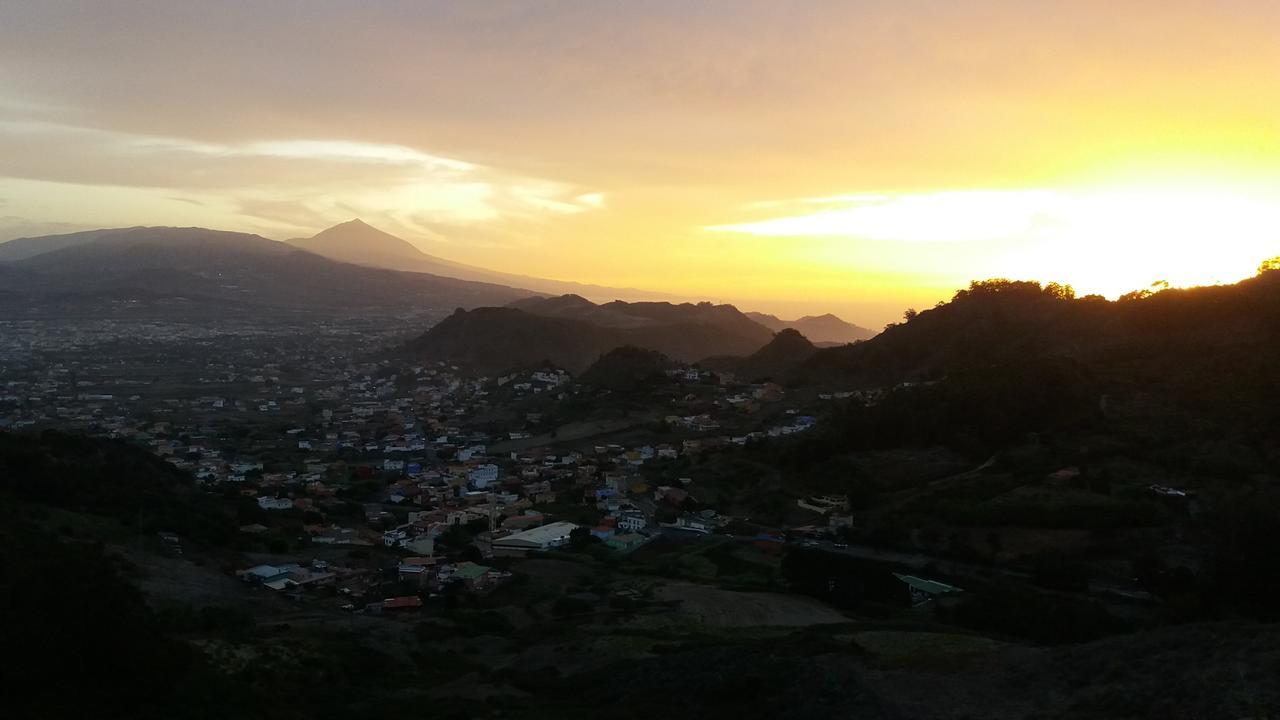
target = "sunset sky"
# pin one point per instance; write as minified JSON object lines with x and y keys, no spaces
{"x":855,"y":157}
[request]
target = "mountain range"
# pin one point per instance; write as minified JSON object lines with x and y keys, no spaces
{"x":821,"y":329}
{"x":571,"y":332}
{"x":195,"y":268}
{"x":350,"y":265}
{"x":641,"y":315}
{"x":357,"y":242}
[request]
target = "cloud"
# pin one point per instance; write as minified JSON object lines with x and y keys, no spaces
{"x":595,"y":139}
{"x":594,"y":200}
{"x":948,"y":216}
{"x":290,"y":183}
{"x":1097,"y":237}
{"x":345,"y":150}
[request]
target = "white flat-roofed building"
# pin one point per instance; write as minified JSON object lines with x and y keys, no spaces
{"x":545,"y":537}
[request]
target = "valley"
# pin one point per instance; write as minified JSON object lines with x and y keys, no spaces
{"x":705,"y":360}
{"x":528,"y":498}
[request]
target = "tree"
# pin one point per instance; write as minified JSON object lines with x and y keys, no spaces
{"x":1061,"y":292}
{"x":581,"y":537}
{"x":909,"y":315}
{"x":457,"y":537}
{"x":995,"y":286}
{"x":1269,"y":265}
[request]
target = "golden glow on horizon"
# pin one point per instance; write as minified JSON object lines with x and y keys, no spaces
{"x":951,"y":216}
{"x":1107,"y":239}
{"x":738,"y":151}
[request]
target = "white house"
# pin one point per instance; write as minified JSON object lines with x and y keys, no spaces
{"x":271,"y":503}
{"x":630,"y":521}
{"x":483,"y":476}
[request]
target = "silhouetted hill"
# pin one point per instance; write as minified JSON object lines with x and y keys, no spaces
{"x":639,"y":315}
{"x":819,"y":328}
{"x":490,"y":340}
{"x":572,"y":333}
{"x":1183,"y":332}
{"x":234,"y":269}
{"x":627,"y":369}
{"x":571,"y":306}
{"x":775,"y":361}
{"x":1184,"y":379}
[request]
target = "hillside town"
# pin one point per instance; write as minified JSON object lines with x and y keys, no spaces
{"x":340,"y":449}
{"x":646,"y":360}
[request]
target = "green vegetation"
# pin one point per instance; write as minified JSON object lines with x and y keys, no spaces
{"x":628,"y":370}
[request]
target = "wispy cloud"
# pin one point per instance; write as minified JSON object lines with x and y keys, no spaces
{"x":951,"y":216}
{"x":298,"y":183}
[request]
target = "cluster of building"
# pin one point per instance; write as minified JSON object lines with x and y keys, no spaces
{"x":302,"y":421}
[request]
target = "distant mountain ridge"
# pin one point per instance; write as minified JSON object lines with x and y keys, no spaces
{"x":355,"y":241}
{"x":27,"y":247}
{"x":572,"y":332}
{"x":358,"y":242}
{"x":150,"y":264}
{"x":362,"y":244}
{"x":353,"y":244}
{"x":818,"y":328}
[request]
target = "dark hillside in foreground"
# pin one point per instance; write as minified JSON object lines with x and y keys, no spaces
{"x":1000,"y":321}
{"x":1201,"y":363}
{"x":107,"y":478}
{"x":1187,"y":337}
